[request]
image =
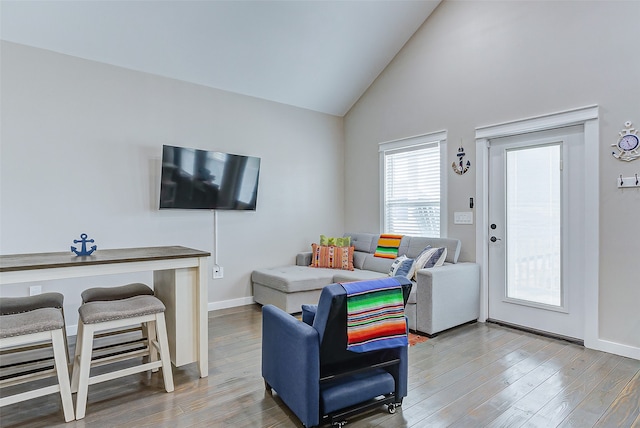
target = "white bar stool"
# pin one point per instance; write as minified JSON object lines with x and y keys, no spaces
{"x":118,"y":293}
{"x":105,"y":315}
{"x":44,"y":324}
{"x":17,"y":305}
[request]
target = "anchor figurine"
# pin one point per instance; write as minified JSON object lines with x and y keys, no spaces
{"x":460,"y":168}
{"x":83,"y":251}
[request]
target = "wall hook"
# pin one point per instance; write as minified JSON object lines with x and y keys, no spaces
{"x":630,"y":181}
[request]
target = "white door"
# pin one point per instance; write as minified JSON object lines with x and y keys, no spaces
{"x":536,"y":247}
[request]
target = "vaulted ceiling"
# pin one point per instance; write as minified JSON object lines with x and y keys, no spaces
{"x":318,"y":55}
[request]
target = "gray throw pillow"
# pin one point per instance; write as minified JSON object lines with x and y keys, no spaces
{"x":405,"y":268}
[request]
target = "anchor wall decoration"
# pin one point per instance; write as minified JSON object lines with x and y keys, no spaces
{"x":460,"y":167}
{"x":83,"y":251}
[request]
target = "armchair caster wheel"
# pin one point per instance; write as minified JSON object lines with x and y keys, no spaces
{"x":268,"y":387}
{"x":391,"y":408}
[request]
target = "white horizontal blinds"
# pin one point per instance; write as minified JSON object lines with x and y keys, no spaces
{"x":412,"y":190}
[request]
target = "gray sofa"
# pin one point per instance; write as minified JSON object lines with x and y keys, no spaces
{"x":442,"y":297}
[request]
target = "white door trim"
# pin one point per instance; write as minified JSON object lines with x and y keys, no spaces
{"x":588,"y":117}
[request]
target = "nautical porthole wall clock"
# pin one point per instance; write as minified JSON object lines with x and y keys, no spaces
{"x":628,"y":144}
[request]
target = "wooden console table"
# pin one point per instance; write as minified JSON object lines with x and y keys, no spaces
{"x":179,"y":278}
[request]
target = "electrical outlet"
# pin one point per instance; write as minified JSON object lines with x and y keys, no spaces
{"x":218,"y":272}
{"x":34,"y":290}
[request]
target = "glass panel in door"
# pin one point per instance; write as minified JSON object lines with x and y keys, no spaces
{"x":533,"y":221}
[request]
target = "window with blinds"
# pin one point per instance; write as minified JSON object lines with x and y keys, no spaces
{"x":411,"y":193}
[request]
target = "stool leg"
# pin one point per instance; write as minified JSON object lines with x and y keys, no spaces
{"x":84,"y":368}
{"x":161,"y":332}
{"x":66,"y":341}
{"x":61,"y":356}
{"x":144,"y":330}
{"x":152,"y":335}
{"x":76,"y":359}
{"x":145,"y":333}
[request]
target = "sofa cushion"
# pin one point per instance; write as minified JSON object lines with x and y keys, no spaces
{"x":365,"y":242}
{"x":431,"y":257}
{"x":406,"y":268}
{"x":338,"y":242}
{"x":377,"y":264}
{"x":324,"y":256}
{"x":409,"y":245}
{"x":436,"y":259}
{"x":358,"y":259}
{"x":396,"y":264}
{"x":418,"y":243}
{"x":290,"y":279}
{"x":356,"y":275}
{"x":387,"y":246}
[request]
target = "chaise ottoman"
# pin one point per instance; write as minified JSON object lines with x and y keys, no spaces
{"x":289,"y":287}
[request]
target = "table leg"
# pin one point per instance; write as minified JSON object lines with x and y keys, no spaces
{"x":203,"y":318}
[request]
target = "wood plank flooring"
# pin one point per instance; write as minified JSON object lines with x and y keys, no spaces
{"x":478,"y":375}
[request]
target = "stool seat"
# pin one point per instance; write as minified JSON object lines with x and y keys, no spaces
{"x":116,"y":293}
{"x":101,"y":311}
{"x":16,"y":305}
{"x":36,"y":321}
{"x":108,"y":294}
{"x":19,"y":305}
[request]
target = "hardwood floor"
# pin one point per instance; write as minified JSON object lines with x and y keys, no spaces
{"x":479,"y":375}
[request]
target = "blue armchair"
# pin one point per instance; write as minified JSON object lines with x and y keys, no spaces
{"x":308,"y":365}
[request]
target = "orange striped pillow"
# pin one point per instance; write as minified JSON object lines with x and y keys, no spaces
{"x":388,"y":245}
{"x":329,"y":256}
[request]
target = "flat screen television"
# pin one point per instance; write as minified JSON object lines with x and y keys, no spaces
{"x":202,"y":179}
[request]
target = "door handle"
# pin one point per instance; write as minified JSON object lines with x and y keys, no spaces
{"x":494,"y":239}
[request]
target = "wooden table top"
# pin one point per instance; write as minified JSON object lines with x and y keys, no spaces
{"x":17,"y":262}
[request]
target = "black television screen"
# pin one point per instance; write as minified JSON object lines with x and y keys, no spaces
{"x":201,"y":179}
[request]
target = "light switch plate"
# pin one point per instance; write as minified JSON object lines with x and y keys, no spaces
{"x":463,"y":217}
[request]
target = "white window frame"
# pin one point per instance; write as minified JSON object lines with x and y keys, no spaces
{"x":440,"y":138}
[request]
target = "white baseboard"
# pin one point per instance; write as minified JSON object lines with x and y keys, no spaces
{"x":242,"y":301}
{"x":598,"y":344}
{"x":615,"y":348}
{"x":608,"y":346}
{"x":72,"y":330}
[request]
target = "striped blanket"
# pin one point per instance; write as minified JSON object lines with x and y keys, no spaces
{"x":388,"y":246}
{"x":375,"y":315}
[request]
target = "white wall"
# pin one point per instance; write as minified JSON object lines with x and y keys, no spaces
{"x":485,"y":62}
{"x":80,"y":152}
